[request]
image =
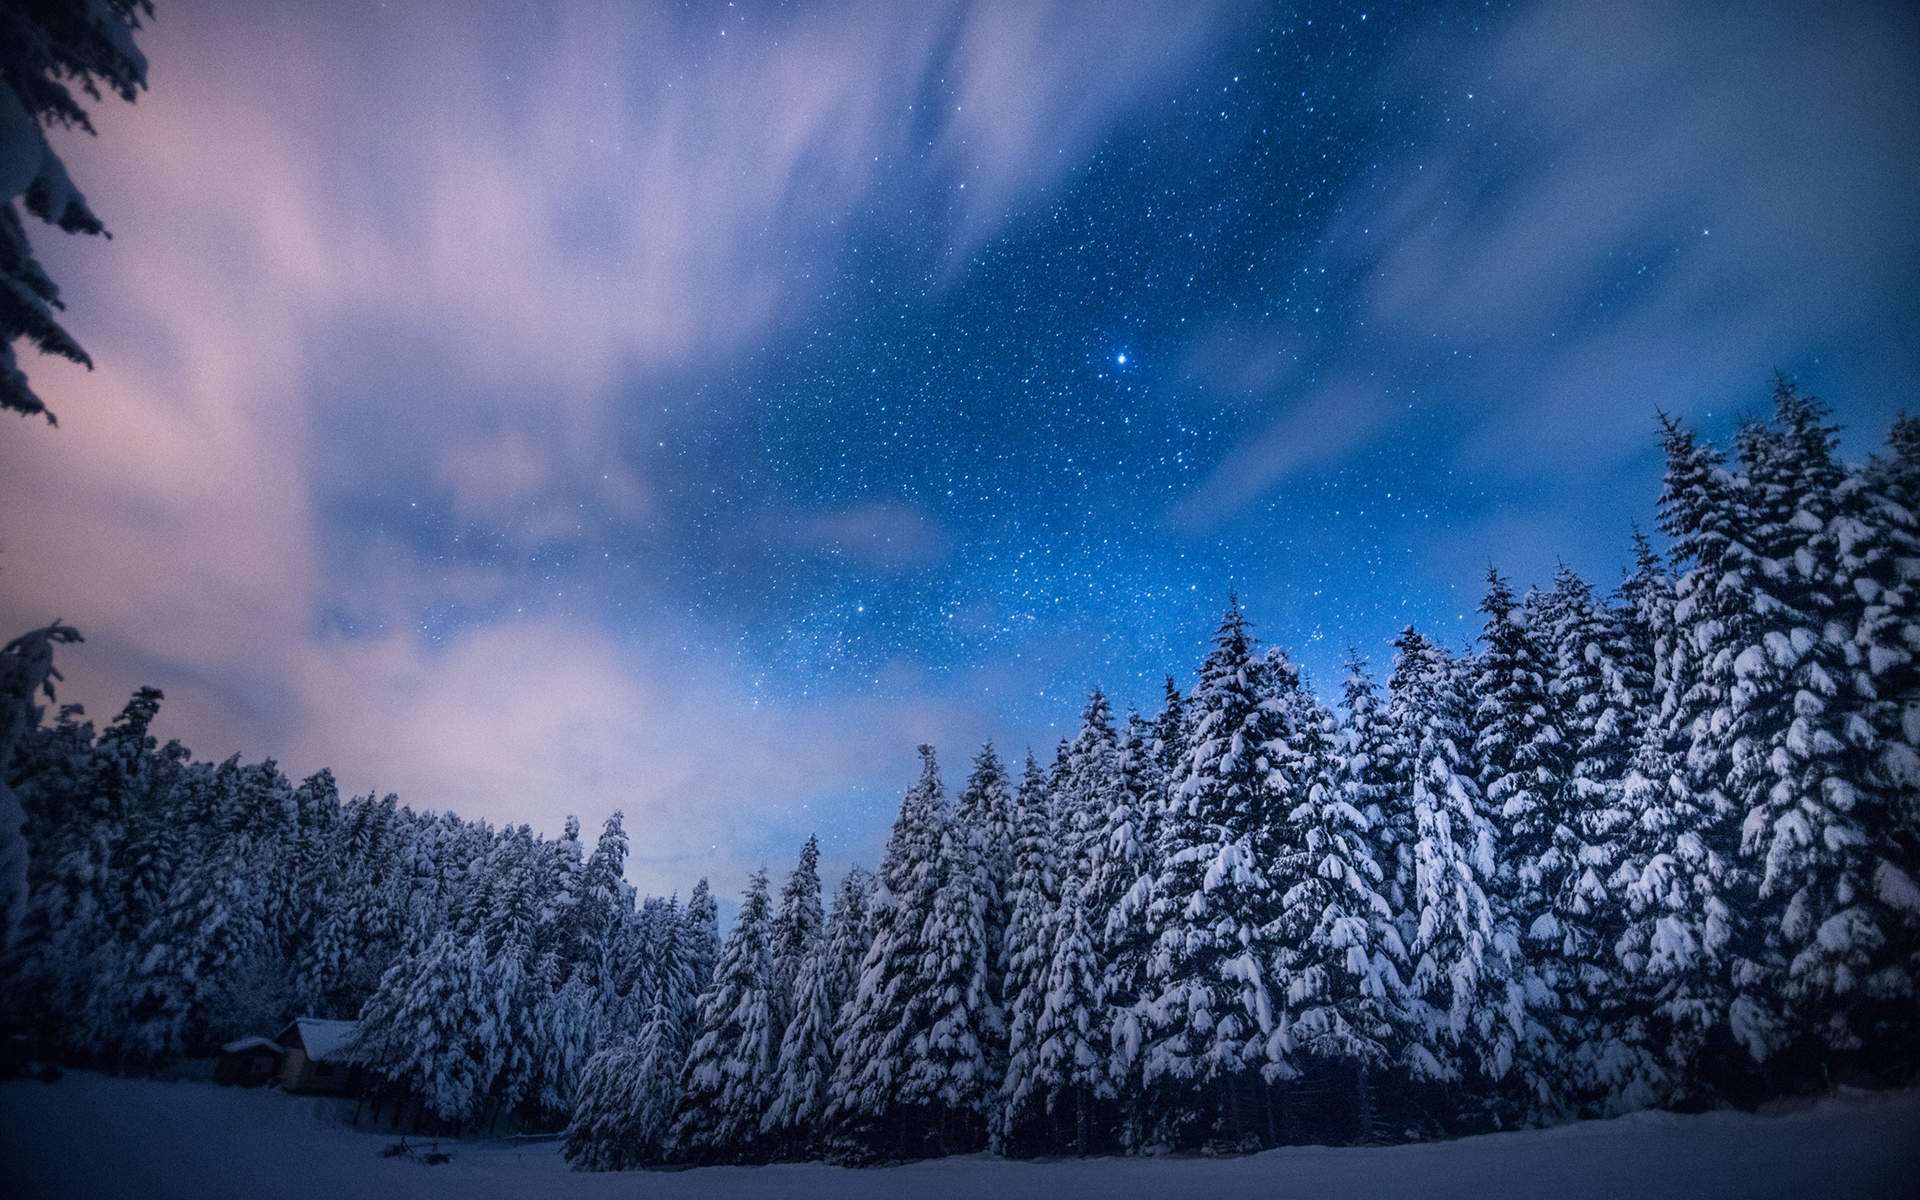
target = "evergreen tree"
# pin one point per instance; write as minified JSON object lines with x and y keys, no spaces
{"x":796,"y":928}
{"x":1525,"y":770}
{"x":1209,"y":1018}
{"x":26,"y":667}
{"x":1464,"y":952}
{"x":1340,"y":963}
{"x":43,"y":48}
{"x":728,"y":1079}
{"x":828,"y":976}
{"x":1838,"y":913}
{"x":882,"y":1098}
{"x":1070,"y":1064}
{"x":1035,"y":892}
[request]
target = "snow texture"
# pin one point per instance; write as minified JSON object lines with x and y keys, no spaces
{"x":94,"y":1136}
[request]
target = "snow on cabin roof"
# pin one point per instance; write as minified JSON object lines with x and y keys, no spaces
{"x":251,"y":1043}
{"x":323,"y":1041}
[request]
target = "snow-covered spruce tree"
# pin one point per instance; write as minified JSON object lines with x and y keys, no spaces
{"x":1091,"y":807}
{"x":1717,"y":1015}
{"x":1880,"y":562}
{"x":964,"y":1023}
{"x":1339,"y":961}
{"x":985,"y":806}
{"x":1525,"y":767}
{"x":26,"y":668}
{"x":417,"y":1031}
{"x":965,"y":1056}
{"x":627,"y":1096}
{"x":797,"y":927}
{"x":593,"y":930}
{"x":358,"y":931}
{"x":1376,"y":778}
{"x":880,"y":1105}
{"x":206,"y":970}
{"x":1462,"y":998}
{"x":1603,"y":678}
{"x":1170,"y":731}
{"x":728,"y":1080}
{"x":43,"y":47}
{"x":1115,"y":900}
{"x":1070,"y":1067}
{"x":1209,"y":1018}
{"x":69,"y":967}
{"x":1034,"y":894}
{"x":1837,"y":911}
{"x":508,"y":1039}
{"x":828,"y":975}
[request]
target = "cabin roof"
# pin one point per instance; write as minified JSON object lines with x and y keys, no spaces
{"x":323,"y":1041}
{"x":245,"y":1044}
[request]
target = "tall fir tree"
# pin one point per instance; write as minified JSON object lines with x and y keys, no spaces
{"x":1034,"y":893}
{"x":1210,"y":1015}
{"x":827,"y":979}
{"x":729,"y":1077}
{"x":882,"y":1100}
{"x":797,"y":926}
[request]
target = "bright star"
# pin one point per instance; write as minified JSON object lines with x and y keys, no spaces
{"x":1123,"y":360}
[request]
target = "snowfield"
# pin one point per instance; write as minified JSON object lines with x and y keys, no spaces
{"x":95,"y":1136}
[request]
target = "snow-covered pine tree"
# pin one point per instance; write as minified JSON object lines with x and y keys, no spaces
{"x":206,"y":970}
{"x":1880,"y":561}
{"x":1838,"y":914}
{"x":1209,"y":1017}
{"x":1525,"y":767}
{"x":1340,"y":962}
{"x":508,"y":1038}
{"x":45,"y":48}
{"x":26,"y":669}
{"x":879,"y":1104}
{"x":629,"y":1091}
{"x":828,"y":976}
{"x":728,"y":1080}
{"x":1115,"y":901}
{"x":1097,"y":859}
{"x":1070,"y":1067}
{"x":949,"y":1062}
{"x":985,"y":806}
{"x":1722,"y":1018}
{"x":967,"y":1044}
{"x":616,"y":1119}
{"x":1170,"y":731}
{"x":417,"y":1031}
{"x":1463,"y":952}
{"x":797,"y":927}
{"x":1376,"y":781}
{"x":1034,"y":892}
{"x":594,"y":929}
{"x":1677,"y":883}
{"x":358,"y":932}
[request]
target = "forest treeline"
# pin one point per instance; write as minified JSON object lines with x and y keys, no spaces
{"x":1651,"y":848}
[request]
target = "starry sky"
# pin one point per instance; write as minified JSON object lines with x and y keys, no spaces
{"x":688,"y":408}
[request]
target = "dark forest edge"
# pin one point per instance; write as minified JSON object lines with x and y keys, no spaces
{"x":1656,"y":849}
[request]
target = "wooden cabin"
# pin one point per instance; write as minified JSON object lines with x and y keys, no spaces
{"x":248,"y":1062}
{"x":316,"y":1058}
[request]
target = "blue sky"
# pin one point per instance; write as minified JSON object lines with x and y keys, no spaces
{"x":538,"y":409}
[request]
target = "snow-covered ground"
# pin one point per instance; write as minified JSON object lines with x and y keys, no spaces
{"x":91,"y":1135}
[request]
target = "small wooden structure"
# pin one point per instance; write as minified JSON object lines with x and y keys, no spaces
{"x":248,"y":1062}
{"x":316,"y":1058}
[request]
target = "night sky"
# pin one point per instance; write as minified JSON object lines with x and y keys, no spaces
{"x":690,"y":408}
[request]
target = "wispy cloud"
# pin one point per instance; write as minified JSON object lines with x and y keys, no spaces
{"x":434,"y":253}
{"x":1618,"y":207}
